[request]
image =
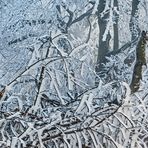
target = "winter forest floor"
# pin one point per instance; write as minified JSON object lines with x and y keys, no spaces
{"x":73,"y":74}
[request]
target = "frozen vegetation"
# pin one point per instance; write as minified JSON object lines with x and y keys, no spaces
{"x":73,"y":74}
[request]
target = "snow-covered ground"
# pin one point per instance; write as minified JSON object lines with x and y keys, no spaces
{"x":52,"y":94}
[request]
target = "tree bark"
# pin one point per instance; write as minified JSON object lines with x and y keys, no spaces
{"x":134,"y":28}
{"x":140,"y":61}
{"x":115,"y":27}
{"x":103,"y":48}
{"x":103,"y":45}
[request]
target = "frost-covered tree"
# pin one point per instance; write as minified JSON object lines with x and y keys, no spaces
{"x":66,"y":74}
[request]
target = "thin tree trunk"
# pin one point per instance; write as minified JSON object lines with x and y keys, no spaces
{"x":134,"y":28}
{"x":103,"y":45}
{"x":115,"y":27}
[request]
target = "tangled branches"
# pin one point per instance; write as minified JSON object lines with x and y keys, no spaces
{"x":37,"y":112}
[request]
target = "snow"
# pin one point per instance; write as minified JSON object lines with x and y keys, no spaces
{"x":62,"y":105}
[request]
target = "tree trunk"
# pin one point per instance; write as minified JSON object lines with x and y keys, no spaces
{"x":103,"y":45}
{"x":134,"y":28}
{"x":115,"y":27}
{"x":140,"y":61}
